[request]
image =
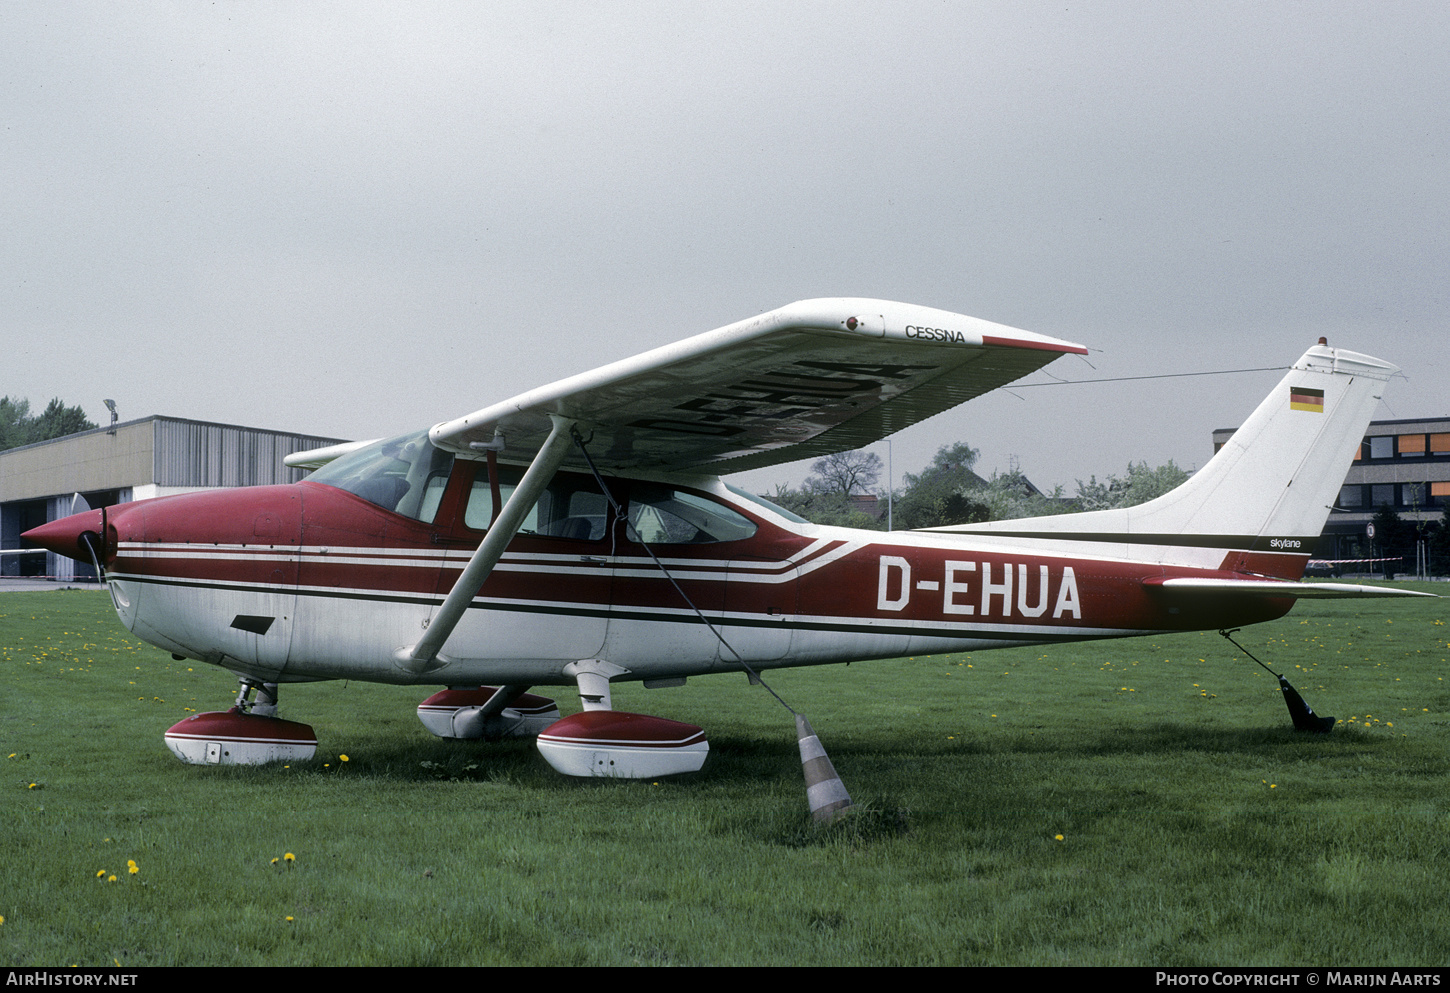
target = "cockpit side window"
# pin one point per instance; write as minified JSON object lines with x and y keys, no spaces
{"x":572,"y":506}
{"x":405,"y":475}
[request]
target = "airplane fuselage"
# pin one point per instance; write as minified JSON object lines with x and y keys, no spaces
{"x":309,"y":581}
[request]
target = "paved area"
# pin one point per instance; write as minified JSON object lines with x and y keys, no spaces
{"x":12,"y":584}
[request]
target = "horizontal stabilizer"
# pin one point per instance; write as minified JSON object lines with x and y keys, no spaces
{"x":1272,"y":588}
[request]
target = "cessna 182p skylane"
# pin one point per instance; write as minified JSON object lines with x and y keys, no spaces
{"x":578,"y":533}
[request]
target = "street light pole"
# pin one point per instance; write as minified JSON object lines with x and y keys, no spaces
{"x":890,"y":488}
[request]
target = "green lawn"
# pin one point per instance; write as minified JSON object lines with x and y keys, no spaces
{"x":1195,"y":826}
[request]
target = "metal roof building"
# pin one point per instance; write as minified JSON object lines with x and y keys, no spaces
{"x":135,"y":460}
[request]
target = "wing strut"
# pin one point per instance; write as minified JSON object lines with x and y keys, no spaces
{"x":424,"y":655}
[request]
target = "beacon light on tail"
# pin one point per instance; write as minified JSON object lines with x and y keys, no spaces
{"x":487,"y":552}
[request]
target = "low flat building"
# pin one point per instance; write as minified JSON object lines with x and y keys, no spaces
{"x":134,"y":460}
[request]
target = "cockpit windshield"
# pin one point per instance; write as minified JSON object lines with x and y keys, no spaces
{"x":406,"y":475}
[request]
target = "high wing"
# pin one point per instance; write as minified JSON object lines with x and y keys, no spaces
{"x":809,"y":379}
{"x":316,"y":458}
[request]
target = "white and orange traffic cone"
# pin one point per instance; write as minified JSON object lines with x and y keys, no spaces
{"x":824,"y":790}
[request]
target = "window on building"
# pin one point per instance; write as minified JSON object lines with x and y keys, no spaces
{"x":1440,"y":444}
{"x":1382,"y":446}
{"x":1382,"y":495}
{"x":1351,"y":496}
{"x":1440,"y":493}
{"x":1412,"y":494}
{"x":1412,"y":445}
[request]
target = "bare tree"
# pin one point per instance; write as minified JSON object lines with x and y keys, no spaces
{"x":846,"y":473}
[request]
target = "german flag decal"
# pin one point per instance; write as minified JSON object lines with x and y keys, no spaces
{"x":1303,"y":398}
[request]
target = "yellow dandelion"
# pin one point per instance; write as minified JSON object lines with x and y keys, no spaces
{"x":111,"y":878}
{"x":1058,"y":837}
{"x":290,"y":857}
{"x":100,"y":873}
{"x":289,"y":920}
{"x":275,"y":861}
{"x":343,"y":758}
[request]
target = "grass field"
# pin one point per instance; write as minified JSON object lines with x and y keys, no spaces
{"x":1138,"y":802}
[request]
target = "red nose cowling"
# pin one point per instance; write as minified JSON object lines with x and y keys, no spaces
{"x":64,"y":536}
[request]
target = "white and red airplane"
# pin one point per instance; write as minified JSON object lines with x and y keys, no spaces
{"x":580,"y":533}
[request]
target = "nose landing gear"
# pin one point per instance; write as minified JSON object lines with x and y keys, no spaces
{"x":487,"y":712}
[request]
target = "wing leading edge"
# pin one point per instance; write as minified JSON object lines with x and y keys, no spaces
{"x":811,"y":378}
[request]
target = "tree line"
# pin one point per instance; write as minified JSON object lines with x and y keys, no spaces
{"x":18,"y":426}
{"x":949,"y":491}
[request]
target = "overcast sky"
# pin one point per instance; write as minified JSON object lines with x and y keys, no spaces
{"x":359,"y":219}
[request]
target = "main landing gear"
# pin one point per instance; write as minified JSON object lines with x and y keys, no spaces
{"x":599,"y":741}
{"x":249,"y":734}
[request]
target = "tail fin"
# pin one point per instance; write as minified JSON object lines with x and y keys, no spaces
{"x":1269,"y":489}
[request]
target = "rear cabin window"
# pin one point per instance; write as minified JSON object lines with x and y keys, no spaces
{"x":773,"y":508}
{"x":663,"y":515}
